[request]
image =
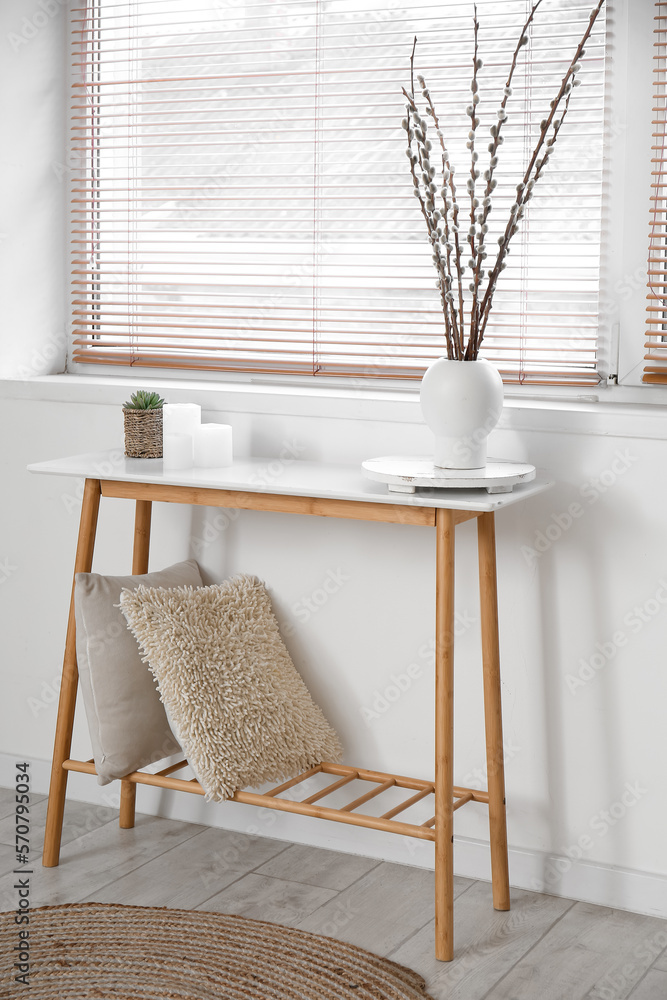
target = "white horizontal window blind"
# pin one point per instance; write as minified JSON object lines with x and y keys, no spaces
{"x":655,"y":369}
{"x":242,"y":200}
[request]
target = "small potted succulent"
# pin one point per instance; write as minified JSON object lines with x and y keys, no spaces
{"x":142,"y":415}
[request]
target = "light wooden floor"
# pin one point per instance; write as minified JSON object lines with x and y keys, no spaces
{"x":544,"y":948}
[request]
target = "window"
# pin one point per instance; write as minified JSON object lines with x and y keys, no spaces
{"x":243,"y":201}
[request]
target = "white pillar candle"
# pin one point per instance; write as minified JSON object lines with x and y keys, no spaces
{"x":213,"y":446}
{"x":176,"y":451}
{"x":181,"y":418}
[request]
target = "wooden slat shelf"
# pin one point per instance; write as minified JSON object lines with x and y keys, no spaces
{"x":343,"y":814}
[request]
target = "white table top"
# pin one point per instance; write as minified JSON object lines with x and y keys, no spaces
{"x":287,"y":476}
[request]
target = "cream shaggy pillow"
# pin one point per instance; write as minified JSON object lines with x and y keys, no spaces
{"x":240,"y":709}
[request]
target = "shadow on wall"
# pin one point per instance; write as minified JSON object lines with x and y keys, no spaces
{"x":580,"y":522}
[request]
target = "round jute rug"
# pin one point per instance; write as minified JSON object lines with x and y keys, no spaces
{"x":105,"y":951}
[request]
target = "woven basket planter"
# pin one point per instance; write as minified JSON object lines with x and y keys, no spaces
{"x":143,"y":433}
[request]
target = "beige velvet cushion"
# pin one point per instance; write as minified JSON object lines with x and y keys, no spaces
{"x":127,"y":722}
{"x":238,"y":706}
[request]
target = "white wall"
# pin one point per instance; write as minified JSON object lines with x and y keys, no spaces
{"x":574,"y":747}
{"x":573,"y":751}
{"x":33,"y":180}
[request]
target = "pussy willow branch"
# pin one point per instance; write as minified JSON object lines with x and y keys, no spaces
{"x":497,"y":140}
{"x":447,"y":236}
{"x":441,"y":272}
{"x":521,"y":202}
{"x":414,"y":159}
{"x":432,"y":215}
{"x":448,"y":178}
{"x":445,"y":287}
{"x":549,"y":129}
{"x":525,"y":195}
{"x":476,"y":251}
{"x":457,"y":325}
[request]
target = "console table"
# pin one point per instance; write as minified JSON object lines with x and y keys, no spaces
{"x":321,"y":490}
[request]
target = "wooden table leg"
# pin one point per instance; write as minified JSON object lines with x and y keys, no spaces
{"x":70,"y":679}
{"x":488,"y":588}
{"x":142,"y":536}
{"x":444,"y":737}
{"x":128,"y":795}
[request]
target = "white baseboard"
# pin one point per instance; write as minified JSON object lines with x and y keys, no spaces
{"x":605,"y":885}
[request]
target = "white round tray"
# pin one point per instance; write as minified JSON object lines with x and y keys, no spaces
{"x":404,"y":475}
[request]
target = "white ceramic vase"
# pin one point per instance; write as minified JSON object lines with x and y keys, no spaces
{"x":461,"y":402}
